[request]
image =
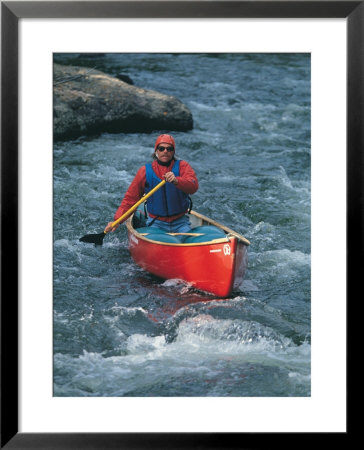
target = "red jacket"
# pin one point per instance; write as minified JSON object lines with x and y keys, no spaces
{"x":187,"y":182}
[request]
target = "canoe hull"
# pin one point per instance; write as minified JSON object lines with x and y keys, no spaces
{"x":215,"y":267}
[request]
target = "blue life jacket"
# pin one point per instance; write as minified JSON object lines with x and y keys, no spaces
{"x":168,"y":200}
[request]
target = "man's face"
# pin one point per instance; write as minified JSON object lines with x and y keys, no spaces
{"x":165,"y":152}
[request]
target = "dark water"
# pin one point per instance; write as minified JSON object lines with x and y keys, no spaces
{"x":121,"y":332}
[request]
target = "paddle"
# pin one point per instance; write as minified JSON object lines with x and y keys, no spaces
{"x":98,"y":238}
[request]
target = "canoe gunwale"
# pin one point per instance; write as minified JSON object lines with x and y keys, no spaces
{"x":179,"y":244}
{"x":227,"y":230}
{"x":229,"y":233}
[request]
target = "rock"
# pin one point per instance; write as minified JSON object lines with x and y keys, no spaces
{"x":88,"y":101}
{"x":125,"y":78}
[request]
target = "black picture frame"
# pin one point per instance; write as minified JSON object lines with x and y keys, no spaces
{"x":11,"y":13}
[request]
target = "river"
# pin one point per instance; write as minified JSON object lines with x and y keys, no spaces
{"x":119,"y":331}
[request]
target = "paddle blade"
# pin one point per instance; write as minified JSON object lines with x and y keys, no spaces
{"x":96,"y":239}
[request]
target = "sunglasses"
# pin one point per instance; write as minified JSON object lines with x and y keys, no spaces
{"x":161,"y":149}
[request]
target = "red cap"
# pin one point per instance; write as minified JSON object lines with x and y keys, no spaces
{"x":166,"y":139}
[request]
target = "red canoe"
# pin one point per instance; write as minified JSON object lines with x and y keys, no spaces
{"x":212,"y":258}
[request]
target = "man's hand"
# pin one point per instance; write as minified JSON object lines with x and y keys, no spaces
{"x":170,"y":178}
{"x":109,"y":227}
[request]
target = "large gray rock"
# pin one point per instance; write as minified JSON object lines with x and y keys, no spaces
{"x":87,"y":101}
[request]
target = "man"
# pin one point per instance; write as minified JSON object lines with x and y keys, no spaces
{"x":167,"y":207}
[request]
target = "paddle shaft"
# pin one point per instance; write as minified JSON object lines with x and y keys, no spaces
{"x":134,"y":207}
{"x":98,"y":238}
